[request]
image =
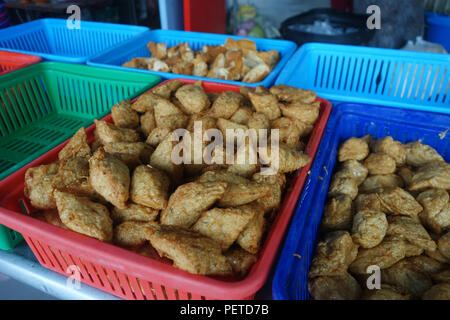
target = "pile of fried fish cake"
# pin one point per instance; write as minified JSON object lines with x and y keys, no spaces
{"x":122,"y":186}
{"x":385,"y":231}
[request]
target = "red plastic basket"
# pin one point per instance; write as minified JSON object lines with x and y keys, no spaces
{"x":10,"y":61}
{"x":130,"y":275}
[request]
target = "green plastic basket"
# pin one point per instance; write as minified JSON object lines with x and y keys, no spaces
{"x":45,"y":104}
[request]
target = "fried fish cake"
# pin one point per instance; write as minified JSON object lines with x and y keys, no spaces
{"x":386,"y":292}
{"x":38,"y":186}
{"x":369,"y":201}
{"x":434,"y":175}
{"x":418,"y":154}
{"x":226,"y":105}
{"x":73,"y":177}
{"x":392,"y":148}
{"x":408,"y":277}
{"x":224,"y":225}
{"x":406,"y":228}
{"x":84,"y":216}
{"x":369,"y":228}
{"x":352,"y":169}
{"x":306,"y":113}
{"x":110,"y":178}
{"x":190,"y":251}
{"x":123,"y":116}
{"x":242,"y":115}
{"x":427,"y":264}
{"x":386,"y":254}
{"x":146,"y":102}
{"x":343,"y":186}
{"x":131,"y":233}
{"x":50,"y":216}
{"x":189,"y":200}
{"x":291,"y":94}
{"x":193,"y":98}
{"x":399,"y":202}
{"x":134,"y":212}
{"x":436,"y":211}
{"x":444,"y":245}
{"x":333,"y":255}
{"x":272,"y":200}
{"x":157,"y":136}
{"x":380,"y":182}
{"x":162,"y":159}
{"x":380,"y":164}
{"x":108,"y":133}
{"x":341,"y":287}
{"x":251,"y":237}
{"x":288,"y":159}
{"x":166,"y":90}
{"x":130,"y":153}
{"x":338,"y":214}
{"x":265,"y":103}
{"x":240,"y":260}
{"x":353,"y":149}
{"x":289,"y":132}
{"x":150,"y":187}
{"x":77,"y":146}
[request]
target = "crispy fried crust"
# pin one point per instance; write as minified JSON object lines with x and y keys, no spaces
{"x":108,"y":133}
{"x":150,"y":187}
{"x":39,"y":186}
{"x":77,"y":147}
{"x":123,"y":116}
{"x":131,"y":233}
{"x":341,"y":287}
{"x":134,"y":212}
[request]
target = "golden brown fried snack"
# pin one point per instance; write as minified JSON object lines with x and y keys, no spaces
{"x":130,"y":153}
{"x":408,"y":277}
{"x":392,"y":148}
{"x":246,"y":159}
{"x":369,"y":228}
{"x":341,"y":287}
{"x":242,"y":115}
{"x":137,"y":63}
{"x":399,"y":202}
{"x":272,"y":201}
{"x":333,"y":255}
{"x":265,"y":103}
{"x":380,"y":164}
{"x":352,"y":169}
{"x":353,"y":149}
{"x":183,"y":67}
{"x":257,"y":73}
{"x":234,"y":129}
{"x":157,"y":136}
{"x":251,"y":237}
{"x":289,"y":133}
{"x":427,"y":264}
{"x":443,"y":276}
{"x":338,"y":214}
{"x":50,"y":216}
{"x":306,"y":113}
{"x":73,"y":177}
{"x":189,"y":250}
{"x":189,"y":200}
{"x":387,"y":292}
{"x":386,"y":254}
{"x":155,"y":64}
{"x":224,"y":225}
{"x":162,"y":159}
{"x":343,"y":186}
{"x":110,"y":178}
{"x":226,"y":105}
{"x":240,"y":260}
{"x":439,"y":291}
{"x":134,"y":212}
{"x":406,"y":228}
{"x":131,"y":233}
{"x":380,"y":182}
{"x":406,"y":174}
{"x":158,"y":50}
{"x":107,"y":133}
{"x":84,"y":216}
{"x":193,"y":98}
{"x":436,"y":211}
{"x":77,"y":146}
{"x":291,"y":94}
{"x":39,"y":187}
{"x":289,"y":159}
{"x":259,"y":121}
{"x":200,"y":67}
{"x":150,"y":187}
{"x":123,"y":116}
{"x":418,"y":154}
{"x":444,"y":245}
{"x":240,"y":194}
{"x":146,"y":102}
{"x":167,"y":89}
{"x":434,"y":175}
{"x":369,"y":201}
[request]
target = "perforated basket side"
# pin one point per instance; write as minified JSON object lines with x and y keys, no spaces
{"x":33,"y":37}
{"x":346,"y":121}
{"x":371,"y":75}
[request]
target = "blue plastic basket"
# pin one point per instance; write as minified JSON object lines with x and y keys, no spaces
{"x":396,"y":78}
{"x":53,"y":40}
{"x":346,"y":121}
{"x":137,"y":47}
{"x":438,"y":30}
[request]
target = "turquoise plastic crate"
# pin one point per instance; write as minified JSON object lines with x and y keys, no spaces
{"x":397,"y":78}
{"x":137,"y":47}
{"x":347,"y":120}
{"x":51,"y":39}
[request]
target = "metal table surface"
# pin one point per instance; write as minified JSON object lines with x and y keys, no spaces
{"x":23,"y":278}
